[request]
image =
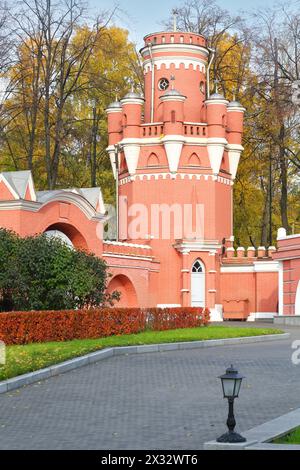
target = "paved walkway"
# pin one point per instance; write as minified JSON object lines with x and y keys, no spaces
{"x":169,"y":400}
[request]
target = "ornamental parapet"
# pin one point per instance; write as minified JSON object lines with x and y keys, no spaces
{"x":241,"y":255}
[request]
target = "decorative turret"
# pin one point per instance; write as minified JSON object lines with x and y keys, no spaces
{"x":132,"y":118}
{"x":173,"y":112}
{"x":178,"y":153}
{"x":173,"y":117}
{"x":216,"y":121}
{"x":132,"y":115}
{"x":235,"y":119}
{"x":179,"y":56}
{"x":114,"y":117}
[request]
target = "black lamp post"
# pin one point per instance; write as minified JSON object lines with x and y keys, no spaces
{"x":231,"y":384}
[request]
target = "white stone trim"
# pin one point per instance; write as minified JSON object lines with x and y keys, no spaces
{"x":210,"y":102}
{"x":132,"y":152}
{"x":138,"y":101}
{"x":20,"y":204}
{"x":174,"y":47}
{"x":234,"y":155}
{"x":204,"y":245}
{"x":289,"y":237}
{"x":9,"y":187}
{"x":173,"y":149}
{"x":173,"y":98}
{"x":195,"y":124}
{"x":113,"y":110}
{"x":188,"y":140}
{"x":257,"y":267}
{"x":261,"y":316}
{"x":212,"y":253}
{"x":216,"y":313}
{"x":150,"y":124}
{"x":297,"y":299}
{"x":236,"y":109}
{"x":176,"y":60}
{"x":156,"y":176}
{"x":266,"y":266}
{"x":280,"y":288}
{"x":62,"y":196}
{"x":237,"y":269}
{"x":168,"y":305}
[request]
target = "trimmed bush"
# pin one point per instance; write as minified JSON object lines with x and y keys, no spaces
{"x":177,"y":317}
{"x":45,"y":326}
{"x":41,"y":273}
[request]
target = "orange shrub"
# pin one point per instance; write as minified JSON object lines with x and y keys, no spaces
{"x":43,"y":326}
{"x":176,"y":317}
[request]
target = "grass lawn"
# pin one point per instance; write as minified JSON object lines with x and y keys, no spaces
{"x":292,"y":438}
{"x":30,"y":357}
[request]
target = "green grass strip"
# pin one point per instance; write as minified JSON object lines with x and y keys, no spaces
{"x":31,"y":357}
{"x":291,"y":438}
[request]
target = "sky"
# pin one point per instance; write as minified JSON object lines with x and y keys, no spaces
{"x":141,"y":17}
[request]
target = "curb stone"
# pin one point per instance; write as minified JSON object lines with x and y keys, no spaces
{"x":260,"y":437}
{"x":91,"y":358}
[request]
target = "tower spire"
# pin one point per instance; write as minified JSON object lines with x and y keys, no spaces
{"x":216,"y":82}
{"x":175,"y":16}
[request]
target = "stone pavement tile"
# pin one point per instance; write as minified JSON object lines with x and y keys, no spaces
{"x":155,"y":400}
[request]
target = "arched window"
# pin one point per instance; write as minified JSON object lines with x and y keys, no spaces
{"x":173,"y":117}
{"x":125,"y":120}
{"x":197,"y":267}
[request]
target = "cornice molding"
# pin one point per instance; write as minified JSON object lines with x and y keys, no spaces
{"x":63,"y":196}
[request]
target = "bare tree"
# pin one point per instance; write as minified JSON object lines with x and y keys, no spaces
{"x":277,"y":55}
{"x":52,"y":66}
{"x":224,"y":33}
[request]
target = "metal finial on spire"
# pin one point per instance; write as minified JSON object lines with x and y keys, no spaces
{"x":216,"y":82}
{"x":175,"y":13}
{"x":172,"y":78}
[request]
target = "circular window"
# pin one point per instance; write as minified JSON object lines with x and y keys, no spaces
{"x":163,"y":84}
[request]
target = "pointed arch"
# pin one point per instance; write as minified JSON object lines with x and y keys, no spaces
{"x":194,"y":160}
{"x":153,"y":160}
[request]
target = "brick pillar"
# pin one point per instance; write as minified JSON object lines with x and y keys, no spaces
{"x":211,"y":280}
{"x":185,"y":276}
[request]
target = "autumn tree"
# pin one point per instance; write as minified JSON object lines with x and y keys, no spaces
{"x":67,"y":69}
